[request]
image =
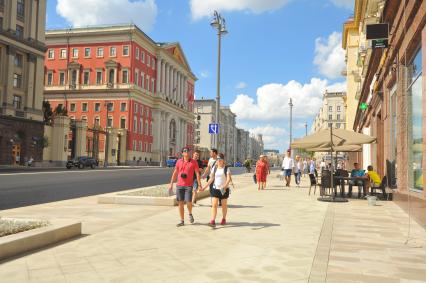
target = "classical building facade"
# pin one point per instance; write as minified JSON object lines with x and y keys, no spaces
{"x":243,"y":137}
{"x":22,"y":51}
{"x":123,"y":83}
{"x":392,"y":84}
{"x":332,"y":113}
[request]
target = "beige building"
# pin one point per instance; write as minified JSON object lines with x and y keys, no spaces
{"x":22,"y":47}
{"x":332,"y":113}
{"x":243,"y":137}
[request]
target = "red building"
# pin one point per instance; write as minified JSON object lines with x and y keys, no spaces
{"x":118,"y":78}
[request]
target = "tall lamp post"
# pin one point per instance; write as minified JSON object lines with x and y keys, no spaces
{"x":218,"y":23}
{"x":106,"y":134}
{"x":306,"y":128}
{"x":291,"y":120}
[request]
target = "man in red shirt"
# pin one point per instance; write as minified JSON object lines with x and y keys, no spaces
{"x":184,"y":172}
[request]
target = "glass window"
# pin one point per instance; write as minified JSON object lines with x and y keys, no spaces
{"x":100,"y":52}
{"x":110,"y":106}
{"x":17,"y":102}
{"x":338,"y":108}
{"x":330,"y":117}
{"x":61,"y":78}
{"x":330,"y":108}
{"x":126,"y":50}
{"x":142,"y":80}
{"x":136,"y":78}
{"x":97,"y":121}
{"x":19,"y":31}
{"x":152,"y":85}
{"x":84,"y":106}
{"x":153,"y":63}
{"x":86,"y":77}
{"x":148,"y":60}
{"x":135,"y":124}
{"x":72,"y":107}
{"x":123,"y":123}
{"x":143,"y":56}
{"x":112,"y":51}
{"x":20,"y":8}
{"x":87,"y":52}
{"x":17,"y":80}
{"x":123,"y":106}
{"x":1,"y":19}
{"x":136,"y":108}
{"x":97,"y":107}
{"x":140,"y":125}
{"x":98,"y":77}
{"x":137,"y":53}
{"x":338,"y":117}
{"x":75,"y":52}
{"x":109,"y":121}
{"x":49,"y":78}
{"x":63,"y":54}
{"x":415,"y":123}
{"x":51,"y":54}
{"x":125,"y":79}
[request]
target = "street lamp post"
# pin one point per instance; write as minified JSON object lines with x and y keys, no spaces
{"x":106,"y":135}
{"x":291,"y":120}
{"x":218,"y":23}
{"x":306,"y":128}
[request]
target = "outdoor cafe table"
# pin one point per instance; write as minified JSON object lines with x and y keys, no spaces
{"x":342,"y":184}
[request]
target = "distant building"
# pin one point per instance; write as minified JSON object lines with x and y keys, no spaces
{"x":332,"y":113}
{"x":266,"y":151}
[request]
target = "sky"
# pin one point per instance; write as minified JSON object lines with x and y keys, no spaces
{"x":275,"y":50}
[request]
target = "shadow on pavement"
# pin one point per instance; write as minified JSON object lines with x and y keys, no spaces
{"x":255,"y":226}
{"x":243,"y":206}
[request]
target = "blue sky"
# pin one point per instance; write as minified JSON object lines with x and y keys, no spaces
{"x":275,"y":49}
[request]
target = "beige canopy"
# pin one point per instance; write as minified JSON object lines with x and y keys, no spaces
{"x":340,"y":148}
{"x":333,"y":140}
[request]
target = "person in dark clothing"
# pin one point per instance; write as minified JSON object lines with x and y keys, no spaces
{"x":196,"y":157}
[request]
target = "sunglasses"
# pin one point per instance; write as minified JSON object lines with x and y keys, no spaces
{"x":185,"y":150}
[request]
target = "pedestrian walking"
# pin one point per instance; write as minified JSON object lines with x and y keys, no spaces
{"x":210,"y":166}
{"x":297,"y":170}
{"x":184,"y":173}
{"x":322,"y":166}
{"x":220,"y":178}
{"x":262,"y":171}
{"x":305,"y":167}
{"x":196,"y":157}
{"x":288,"y":165}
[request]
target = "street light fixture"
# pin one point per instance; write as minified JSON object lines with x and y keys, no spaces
{"x":291,"y":120}
{"x":218,"y":23}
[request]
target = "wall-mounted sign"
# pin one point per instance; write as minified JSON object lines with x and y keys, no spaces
{"x":363,"y":106}
{"x":377,"y":31}
{"x":380,"y":43}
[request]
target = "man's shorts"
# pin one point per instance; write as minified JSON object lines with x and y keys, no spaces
{"x":287,"y":172}
{"x":184,"y":194}
{"x":195,"y":185}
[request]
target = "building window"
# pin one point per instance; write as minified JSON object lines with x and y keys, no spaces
{"x":125,"y":78}
{"x":330,"y":125}
{"x":109,"y":122}
{"x":152,"y":85}
{"x":87,"y":52}
{"x":100,"y":52}
{"x":75,"y":53}
{"x":111,"y":76}
{"x":145,"y":130}
{"x":135,"y":124}
{"x":337,"y":125}
{"x":97,"y":107}
{"x":17,"y":102}
{"x":330,"y":108}
{"x":62,"y":78}
{"x":20,"y":8}
{"x":123,"y":106}
{"x":153,"y":63}
{"x":1,"y":19}
{"x":49,"y":78}
{"x":86,"y":77}
{"x":112,"y":51}
{"x":123,"y":123}
{"x":140,"y":126}
{"x":330,"y":117}
{"x":140,"y":146}
{"x":19,"y":31}
{"x":338,"y":108}
{"x":84,"y":119}
{"x":147,"y":83}
{"x":142,"y":80}
{"x":136,"y":108}
{"x":84,"y":107}
{"x":97,"y":121}
{"x":74,"y":78}
{"x":136,"y":77}
{"x":110,"y":106}
{"x":338,"y":117}
{"x":148,"y":60}
{"x":51,"y":54}
{"x":63,"y":54}
{"x":126,"y":50}
{"x":98,"y":77}
{"x":17,"y":80}
{"x":150,"y":129}
{"x":18,"y":60}
{"x":415,"y":123}
{"x":137,"y":53}
{"x":143,"y":57}
{"x":72,"y":107}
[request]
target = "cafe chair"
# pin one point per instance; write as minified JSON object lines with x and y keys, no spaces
{"x":314,"y":183}
{"x":382,"y":188}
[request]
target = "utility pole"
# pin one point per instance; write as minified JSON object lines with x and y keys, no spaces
{"x":291,"y":121}
{"x":306,"y":128}
{"x":106,"y":135}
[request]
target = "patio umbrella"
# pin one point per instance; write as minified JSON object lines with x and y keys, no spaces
{"x":339,"y":148}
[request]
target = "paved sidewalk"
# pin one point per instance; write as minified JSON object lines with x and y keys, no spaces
{"x":276,"y":235}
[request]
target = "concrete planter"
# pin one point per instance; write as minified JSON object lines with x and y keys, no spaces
{"x":58,"y":231}
{"x":119,"y":198}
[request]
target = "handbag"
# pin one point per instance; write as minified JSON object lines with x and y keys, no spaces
{"x":254,"y":178}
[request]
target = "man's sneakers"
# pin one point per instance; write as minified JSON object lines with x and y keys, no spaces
{"x":223,"y":222}
{"x":212,"y":224}
{"x":191,"y":218}
{"x":181,"y":223}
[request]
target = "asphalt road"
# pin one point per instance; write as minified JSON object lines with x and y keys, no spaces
{"x":19,"y":189}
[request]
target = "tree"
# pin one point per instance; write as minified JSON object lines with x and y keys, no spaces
{"x":47,"y":113}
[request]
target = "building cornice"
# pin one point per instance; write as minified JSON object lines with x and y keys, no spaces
{"x":353,"y":24}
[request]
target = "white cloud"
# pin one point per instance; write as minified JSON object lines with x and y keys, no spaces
{"x":348,"y":4}
{"x":272,"y":100}
{"x":205,"y":8}
{"x":329,"y":55}
{"x":241,"y":85}
{"x":204,"y":74}
{"x":273,"y":137}
{"x":95,"y":12}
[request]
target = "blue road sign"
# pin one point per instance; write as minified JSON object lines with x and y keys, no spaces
{"x":214,"y":129}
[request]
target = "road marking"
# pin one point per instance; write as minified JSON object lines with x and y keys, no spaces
{"x":70,"y":171}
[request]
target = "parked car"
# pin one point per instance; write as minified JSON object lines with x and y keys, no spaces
{"x":82,"y":162}
{"x":238,"y":164}
{"x":171,"y":161}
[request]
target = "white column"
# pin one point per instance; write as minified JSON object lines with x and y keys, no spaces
{"x":163,"y":77}
{"x":173,"y":84}
{"x":158,"y":82}
{"x":185,"y":92}
{"x":178,"y":87}
{"x":170,"y":82}
{"x":166,"y":80}
{"x":181,"y":90}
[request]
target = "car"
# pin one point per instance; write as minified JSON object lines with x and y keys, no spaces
{"x":238,"y":164}
{"x":82,"y":162}
{"x":171,"y":161}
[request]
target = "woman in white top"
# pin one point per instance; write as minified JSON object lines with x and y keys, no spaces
{"x":220,"y":178}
